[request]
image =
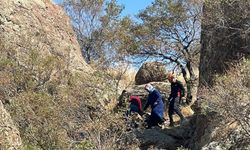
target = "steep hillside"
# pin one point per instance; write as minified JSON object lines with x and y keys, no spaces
{"x":54,"y":98}
{"x":221,"y":118}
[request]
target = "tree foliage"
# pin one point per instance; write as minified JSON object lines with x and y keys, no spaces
{"x":170,"y":32}
{"x":98,"y":25}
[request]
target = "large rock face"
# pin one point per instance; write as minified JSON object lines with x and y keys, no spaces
{"x":150,"y":72}
{"x":34,"y":25}
{"x":40,"y":25}
{"x":225,"y":37}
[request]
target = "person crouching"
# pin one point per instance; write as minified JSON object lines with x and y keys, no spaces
{"x":157,"y":107}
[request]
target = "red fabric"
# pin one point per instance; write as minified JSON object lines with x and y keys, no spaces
{"x":179,"y":93}
{"x":137,"y":101}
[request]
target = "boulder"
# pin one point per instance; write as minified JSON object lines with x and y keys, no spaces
{"x":150,"y":72}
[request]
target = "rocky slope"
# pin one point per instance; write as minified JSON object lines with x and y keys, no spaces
{"x":156,"y":138}
{"x":41,"y":75}
{"x":54,"y":104}
{"x":40,"y":25}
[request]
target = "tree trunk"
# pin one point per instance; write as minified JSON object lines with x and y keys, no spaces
{"x":192,"y":83}
{"x":88,"y":55}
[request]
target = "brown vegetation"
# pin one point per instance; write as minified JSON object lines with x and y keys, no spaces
{"x":228,"y":99}
{"x":55,"y":108}
{"x":225,"y":36}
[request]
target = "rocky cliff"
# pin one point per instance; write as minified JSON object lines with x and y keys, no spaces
{"x":40,"y":25}
{"x":36,"y":43}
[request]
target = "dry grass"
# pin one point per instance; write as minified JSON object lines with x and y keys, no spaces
{"x":47,"y":102}
{"x":230,"y":98}
{"x":126,"y":76}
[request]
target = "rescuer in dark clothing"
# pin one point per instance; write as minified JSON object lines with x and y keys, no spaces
{"x":177,"y":92}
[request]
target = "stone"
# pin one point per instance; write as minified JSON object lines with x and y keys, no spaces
{"x":151,"y":72}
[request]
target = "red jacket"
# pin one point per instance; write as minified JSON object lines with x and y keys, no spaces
{"x":136,"y":100}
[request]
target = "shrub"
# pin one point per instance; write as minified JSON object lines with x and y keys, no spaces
{"x":47,"y":102}
{"x":230,"y":98}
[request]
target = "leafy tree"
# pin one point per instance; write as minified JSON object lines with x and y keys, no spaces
{"x":170,"y":31}
{"x":103,"y":35}
{"x":96,"y":23}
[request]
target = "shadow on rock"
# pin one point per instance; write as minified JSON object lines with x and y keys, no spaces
{"x":166,"y":138}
